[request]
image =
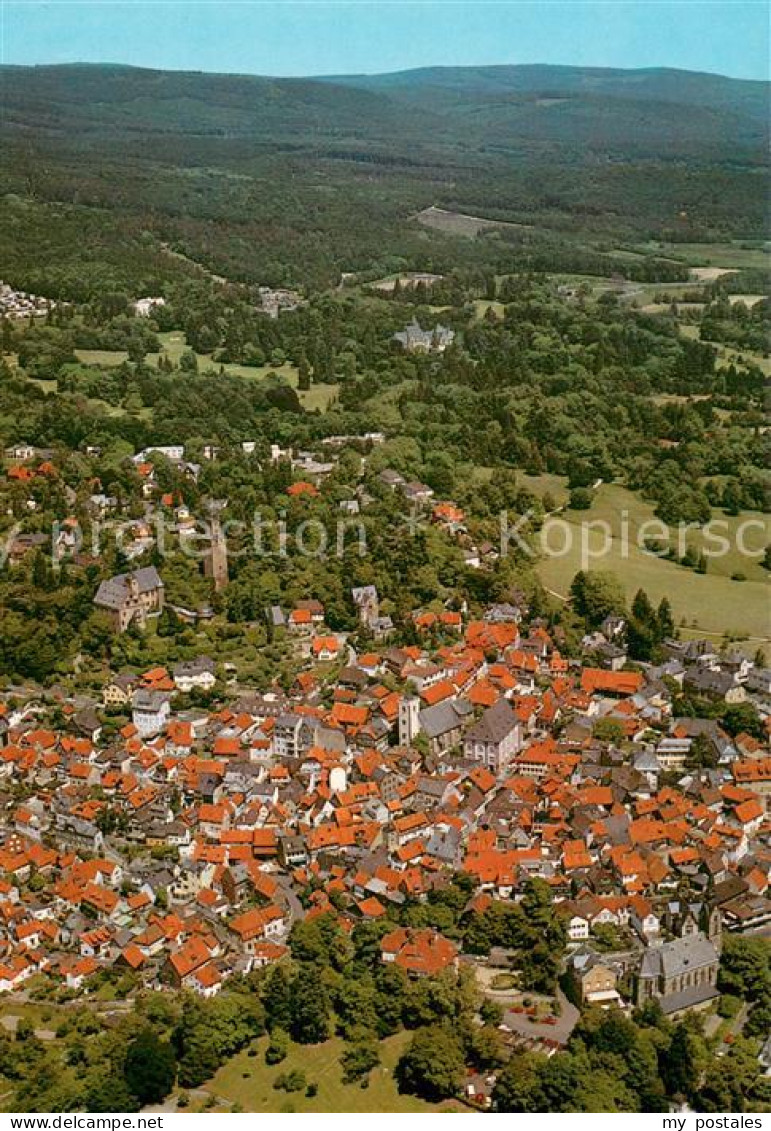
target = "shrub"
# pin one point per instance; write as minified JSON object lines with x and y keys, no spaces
{"x":293,"y":1081}
{"x":729,"y":1005}
{"x":278,"y":1047}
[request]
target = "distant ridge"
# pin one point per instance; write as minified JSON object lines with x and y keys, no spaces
{"x":475,"y":105}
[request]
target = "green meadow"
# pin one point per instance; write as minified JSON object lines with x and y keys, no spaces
{"x":173,"y":345}
{"x":609,"y":537}
{"x":247,"y":1082}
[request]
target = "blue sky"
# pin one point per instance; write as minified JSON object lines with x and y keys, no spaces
{"x":306,"y":37}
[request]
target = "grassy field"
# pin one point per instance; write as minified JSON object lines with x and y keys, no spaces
{"x":730,"y":255}
{"x":748,"y":300}
{"x":727,"y":354}
{"x":174,"y":345}
{"x":384,"y":406}
{"x":461,"y":223}
{"x":482,"y":305}
{"x":97,"y":402}
{"x":107,"y":358}
{"x":248,"y":1082}
{"x":711,"y":602}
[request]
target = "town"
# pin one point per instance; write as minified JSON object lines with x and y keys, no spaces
{"x":180,"y":826}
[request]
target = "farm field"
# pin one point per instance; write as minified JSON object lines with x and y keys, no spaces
{"x":248,"y":1082}
{"x":711,"y":602}
{"x":461,"y":223}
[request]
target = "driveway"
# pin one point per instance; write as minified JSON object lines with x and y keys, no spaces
{"x":523,"y":1026}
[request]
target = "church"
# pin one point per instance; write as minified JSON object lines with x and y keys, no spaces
{"x":682,"y":974}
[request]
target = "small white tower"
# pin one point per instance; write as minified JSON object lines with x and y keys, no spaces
{"x":409,"y":721}
{"x":338,"y":780}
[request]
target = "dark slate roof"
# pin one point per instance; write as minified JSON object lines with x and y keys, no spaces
{"x":113,"y":592}
{"x":687,"y":999}
{"x":444,"y":717}
{"x":671,"y":959}
{"x":495,"y":724}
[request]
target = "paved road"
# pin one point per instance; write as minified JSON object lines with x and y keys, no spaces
{"x":296,"y":909}
{"x":733,"y":1030}
{"x":10,"y":1022}
{"x":521,"y":1024}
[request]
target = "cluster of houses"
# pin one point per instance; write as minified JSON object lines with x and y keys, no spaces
{"x":185,"y":846}
{"x":20,"y":304}
{"x":273,"y":302}
{"x":26,"y":465}
{"x":445,"y":514}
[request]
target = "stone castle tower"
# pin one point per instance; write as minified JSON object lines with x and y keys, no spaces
{"x":215,"y":564}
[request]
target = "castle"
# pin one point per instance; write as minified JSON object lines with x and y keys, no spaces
{"x":130,"y":598}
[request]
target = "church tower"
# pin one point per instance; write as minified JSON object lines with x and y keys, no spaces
{"x":409,"y":720}
{"x":712,"y":924}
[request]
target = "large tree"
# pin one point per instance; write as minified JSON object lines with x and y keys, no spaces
{"x":150,"y":1068}
{"x":432,"y":1066}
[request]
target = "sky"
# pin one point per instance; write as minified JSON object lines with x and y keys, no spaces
{"x":314,"y":37}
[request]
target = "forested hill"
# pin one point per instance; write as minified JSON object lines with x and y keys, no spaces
{"x":655,"y":84}
{"x":117,"y":100}
{"x":298,"y":180}
{"x":563,"y":107}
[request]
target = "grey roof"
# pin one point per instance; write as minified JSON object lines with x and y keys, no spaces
{"x":391,"y":477}
{"x":495,"y":724}
{"x":444,"y":717}
{"x":194,"y":667}
{"x":688,"y":998}
{"x":646,"y":762}
{"x":288,"y":721}
{"x":432,"y":786}
{"x":113,"y":593}
{"x":444,"y":845}
{"x":585,"y":959}
{"x":502,"y":612}
{"x":679,"y":956}
{"x":363,"y":594}
{"x":275,"y":616}
{"x":145,"y":700}
{"x":697,"y":648}
{"x":415,"y":335}
{"x":709,"y":728}
{"x":703,"y":679}
{"x":124,"y":680}
{"x":617,"y":828}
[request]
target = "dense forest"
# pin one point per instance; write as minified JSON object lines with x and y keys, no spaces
{"x":289,"y":180}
